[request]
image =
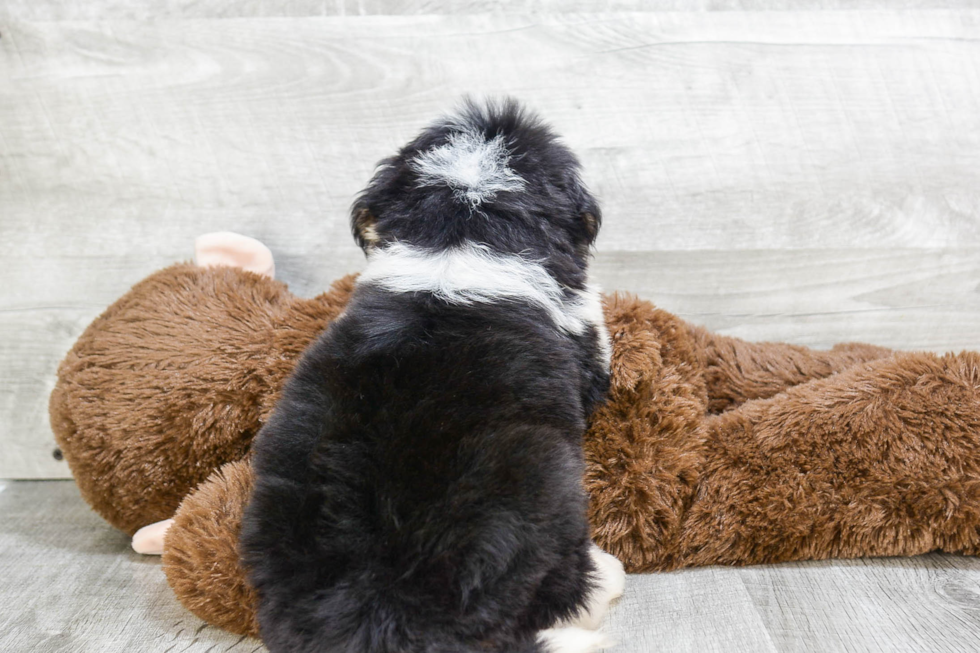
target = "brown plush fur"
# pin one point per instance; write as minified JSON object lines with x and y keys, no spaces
{"x":709,"y":450}
{"x":204,"y":541}
{"x":173,"y":380}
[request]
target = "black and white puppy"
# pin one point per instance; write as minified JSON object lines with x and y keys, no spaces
{"x":418,"y":488}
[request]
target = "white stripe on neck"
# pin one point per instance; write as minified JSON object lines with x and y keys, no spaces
{"x":475,"y":274}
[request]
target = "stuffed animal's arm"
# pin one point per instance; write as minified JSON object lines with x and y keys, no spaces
{"x":201,"y":558}
{"x":877,"y":460}
{"x":736,"y":370}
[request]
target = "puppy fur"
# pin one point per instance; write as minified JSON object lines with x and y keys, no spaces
{"x":418,"y":487}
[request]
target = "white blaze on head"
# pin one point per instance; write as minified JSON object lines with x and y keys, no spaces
{"x":474,"y":167}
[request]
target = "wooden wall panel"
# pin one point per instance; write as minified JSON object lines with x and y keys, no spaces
{"x":155,"y":9}
{"x":794,"y":175}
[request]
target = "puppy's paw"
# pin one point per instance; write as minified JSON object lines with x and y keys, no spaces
{"x":610,"y":582}
{"x":612,"y":576}
{"x":573,"y":640}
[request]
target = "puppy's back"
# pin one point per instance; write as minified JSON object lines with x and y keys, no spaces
{"x":418,"y":481}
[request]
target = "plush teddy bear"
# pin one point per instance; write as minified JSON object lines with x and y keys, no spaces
{"x":708,"y":450}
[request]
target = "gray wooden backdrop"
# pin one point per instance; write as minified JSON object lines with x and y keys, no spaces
{"x":772,"y":170}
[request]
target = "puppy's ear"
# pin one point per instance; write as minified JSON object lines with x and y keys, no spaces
{"x":589,"y":213}
{"x":591,"y":221}
{"x":586,"y":229}
{"x":364,"y":227}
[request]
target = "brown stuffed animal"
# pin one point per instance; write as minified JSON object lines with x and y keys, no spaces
{"x":709,"y":450}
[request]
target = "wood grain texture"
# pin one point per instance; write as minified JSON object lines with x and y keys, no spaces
{"x":794,"y":175}
{"x":927,"y":603}
{"x":155,"y":9}
{"x":701,"y":611}
{"x":901,"y":605}
{"x":915,"y":299}
{"x":69,"y":582}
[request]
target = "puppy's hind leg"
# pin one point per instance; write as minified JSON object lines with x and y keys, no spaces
{"x":579,"y":634}
{"x":572,"y":640}
{"x":610,"y":581}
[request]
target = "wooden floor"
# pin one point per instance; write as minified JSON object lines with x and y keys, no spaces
{"x":70,"y":583}
{"x":798,"y":170}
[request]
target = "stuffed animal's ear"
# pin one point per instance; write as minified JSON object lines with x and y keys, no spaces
{"x":364,"y":227}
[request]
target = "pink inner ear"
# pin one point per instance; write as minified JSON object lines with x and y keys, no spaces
{"x":234,"y":250}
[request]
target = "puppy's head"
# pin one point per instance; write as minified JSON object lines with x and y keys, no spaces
{"x":491,"y":174}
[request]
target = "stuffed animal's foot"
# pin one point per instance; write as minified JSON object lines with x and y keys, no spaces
{"x":610,"y":582}
{"x":149,"y":539}
{"x":234,"y":250}
{"x":573,"y":640}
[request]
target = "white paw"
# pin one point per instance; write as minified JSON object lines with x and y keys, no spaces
{"x":610,"y":583}
{"x":149,"y":539}
{"x":234,"y":250}
{"x":573,"y":640}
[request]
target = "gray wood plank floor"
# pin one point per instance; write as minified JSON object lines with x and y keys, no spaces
{"x":70,"y":583}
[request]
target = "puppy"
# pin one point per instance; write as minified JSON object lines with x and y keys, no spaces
{"x":418,"y":488}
